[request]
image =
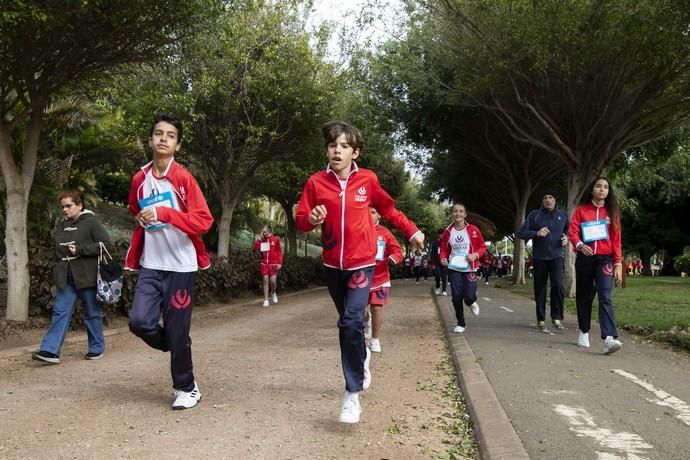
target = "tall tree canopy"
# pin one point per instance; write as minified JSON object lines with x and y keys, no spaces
{"x":46,"y":50}
{"x":580,"y":80}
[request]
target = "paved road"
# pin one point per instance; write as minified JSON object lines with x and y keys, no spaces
{"x":566,"y":402}
{"x":271,"y":383}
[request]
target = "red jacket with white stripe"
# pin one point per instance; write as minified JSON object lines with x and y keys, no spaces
{"x":476,"y":243}
{"x":348,"y":236}
{"x":274,"y":255}
{"x":587,"y":212}
{"x":193,"y":218}
{"x":392,"y":253}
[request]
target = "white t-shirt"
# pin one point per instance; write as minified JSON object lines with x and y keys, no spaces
{"x":167,"y":248}
{"x":460,"y":247}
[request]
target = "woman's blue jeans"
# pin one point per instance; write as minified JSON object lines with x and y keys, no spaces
{"x":62,"y":313}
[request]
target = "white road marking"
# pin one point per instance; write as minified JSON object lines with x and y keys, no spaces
{"x":486,"y":298}
{"x":608,"y":456}
{"x":582,"y":423}
{"x":507,"y":309}
{"x":559,"y":392}
{"x":662,"y":398}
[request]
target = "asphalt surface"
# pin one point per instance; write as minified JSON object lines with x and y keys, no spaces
{"x":563,"y":401}
{"x":531,"y":394}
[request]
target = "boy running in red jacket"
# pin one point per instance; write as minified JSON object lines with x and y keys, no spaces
{"x":387,"y":249}
{"x":338,"y":199}
{"x":167,"y":250}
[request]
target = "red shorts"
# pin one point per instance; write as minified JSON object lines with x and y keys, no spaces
{"x":379,"y":296}
{"x":269,"y":270}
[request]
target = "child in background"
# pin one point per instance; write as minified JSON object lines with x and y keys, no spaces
{"x":387,"y":249}
{"x":271,"y":261}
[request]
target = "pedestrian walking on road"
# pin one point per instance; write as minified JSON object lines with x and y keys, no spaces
{"x":440,"y":271}
{"x":418,"y":271}
{"x":271,"y":261}
{"x":461,"y":247}
{"x":338,"y":200}
{"x":166,"y":248}
{"x":387,"y":250}
{"x":77,"y":244}
{"x":547,"y":228}
{"x":595,"y":231}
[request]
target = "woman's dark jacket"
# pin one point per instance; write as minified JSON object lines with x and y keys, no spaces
{"x":86,"y":232}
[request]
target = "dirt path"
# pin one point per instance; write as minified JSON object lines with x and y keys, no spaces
{"x":271,"y":384}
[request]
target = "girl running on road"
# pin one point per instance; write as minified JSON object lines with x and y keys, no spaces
{"x":462,"y":245}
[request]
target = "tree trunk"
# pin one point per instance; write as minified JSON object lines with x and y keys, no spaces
{"x":645,"y":257}
{"x":519,"y":251}
{"x":576,"y":184}
{"x":18,"y":279}
{"x":518,"y":244}
{"x":18,"y":183}
{"x":228,"y":204}
{"x":290,"y":228}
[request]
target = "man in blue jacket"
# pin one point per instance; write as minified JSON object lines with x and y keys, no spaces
{"x":547,"y":228}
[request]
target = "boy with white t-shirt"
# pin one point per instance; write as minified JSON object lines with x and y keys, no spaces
{"x":462,"y":245}
{"x":167,"y":250}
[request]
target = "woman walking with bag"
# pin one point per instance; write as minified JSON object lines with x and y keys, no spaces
{"x":77,"y":247}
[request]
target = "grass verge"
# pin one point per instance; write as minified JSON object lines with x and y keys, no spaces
{"x":656,"y":308}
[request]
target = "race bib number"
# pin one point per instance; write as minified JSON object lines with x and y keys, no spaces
{"x":594,"y":230}
{"x":459,"y":263}
{"x":380,"y":250}
{"x":265,"y":246}
{"x":154,"y":201}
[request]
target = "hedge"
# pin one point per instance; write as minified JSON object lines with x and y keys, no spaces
{"x":227,"y":278}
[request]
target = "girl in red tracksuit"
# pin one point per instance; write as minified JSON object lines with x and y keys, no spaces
{"x":338,"y":200}
{"x":595,"y":232}
{"x":462,"y":244}
{"x":387,"y":249}
{"x":271,"y":261}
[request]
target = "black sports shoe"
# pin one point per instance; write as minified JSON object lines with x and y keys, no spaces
{"x":46,"y":357}
{"x":93,"y":356}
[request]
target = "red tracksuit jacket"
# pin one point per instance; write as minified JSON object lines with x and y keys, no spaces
{"x":392,"y":253}
{"x":348,"y":236}
{"x":193,"y":217}
{"x":476,"y":243}
{"x":274,"y":256}
{"x":587,"y":212}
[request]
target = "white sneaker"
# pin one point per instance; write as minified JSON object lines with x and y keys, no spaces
{"x":438,"y":291}
{"x":265,"y":304}
{"x":367,"y":329}
{"x":583,"y":339}
{"x":351,"y":409}
{"x":611,"y":345}
{"x":459,"y":329}
{"x":366,"y":383}
{"x":275,"y":298}
{"x":475,"y":309}
{"x":444,"y":293}
{"x":186,"y":399}
{"x":375,"y":345}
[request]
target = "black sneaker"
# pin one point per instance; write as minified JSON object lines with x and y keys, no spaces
{"x":93,"y":356}
{"x":46,"y":357}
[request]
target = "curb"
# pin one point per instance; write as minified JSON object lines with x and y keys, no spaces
{"x":496,"y":437}
{"x":23,"y":351}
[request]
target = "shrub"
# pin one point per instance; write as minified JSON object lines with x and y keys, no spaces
{"x":682,"y":264}
{"x":227,"y":278}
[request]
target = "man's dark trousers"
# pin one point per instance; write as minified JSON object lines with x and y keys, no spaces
{"x":552,"y":269}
